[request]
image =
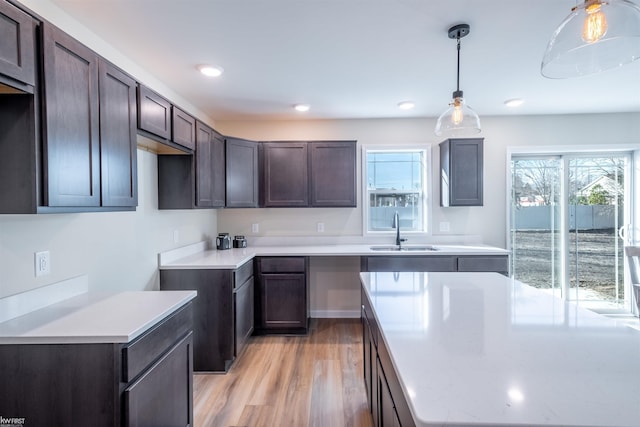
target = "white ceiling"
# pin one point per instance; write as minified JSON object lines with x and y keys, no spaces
{"x":353,"y":58}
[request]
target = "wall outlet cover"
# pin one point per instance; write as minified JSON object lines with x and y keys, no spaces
{"x":42,"y":263}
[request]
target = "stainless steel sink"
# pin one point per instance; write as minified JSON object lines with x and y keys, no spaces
{"x":408,"y":248}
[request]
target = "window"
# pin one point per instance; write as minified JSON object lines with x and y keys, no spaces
{"x":395,"y":181}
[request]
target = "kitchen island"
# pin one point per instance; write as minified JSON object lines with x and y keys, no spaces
{"x":480,"y":349}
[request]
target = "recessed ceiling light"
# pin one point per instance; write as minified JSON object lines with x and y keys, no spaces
{"x":406,"y":105}
{"x":211,"y":70}
{"x":515,"y":102}
{"x":301,"y":107}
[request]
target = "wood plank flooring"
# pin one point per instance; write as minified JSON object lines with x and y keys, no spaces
{"x":313,"y":380}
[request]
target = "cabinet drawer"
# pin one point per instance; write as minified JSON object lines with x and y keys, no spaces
{"x":145,"y":350}
{"x":496,"y":263}
{"x":282,"y":265}
{"x":244,"y":272}
{"x":411,"y":263}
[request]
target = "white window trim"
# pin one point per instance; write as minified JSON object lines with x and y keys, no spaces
{"x":428,"y":194}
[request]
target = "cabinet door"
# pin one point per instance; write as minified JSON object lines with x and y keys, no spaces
{"x":461,"y":161}
{"x":285,"y":178}
{"x":242,"y":173}
{"x":183,"y":128}
{"x":388,"y":417}
{"x":17,"y":52}
{"x":333,"y":173}
{"x":118,"y":154}
{"x":71,"y":125}
{"x":204,"y":166}
{"x":367,"y":346}
{"x":154,"y":113}
{"x":283,"y":299}
{"x":162,"y":396}
{"x":219,"y":169}
{"x":243,"y":307}
{"x":210,"y":168}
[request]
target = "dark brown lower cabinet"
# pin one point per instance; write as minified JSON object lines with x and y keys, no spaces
{"x":146,"y":382}
{"x":388,"y":415}
{"x":223,"y":312}
{"x":243,"y":299}
{"x":388,"y":405}
{"x":158,"y":396}
{"x":436,"y":263}
{"x":282,"y":295}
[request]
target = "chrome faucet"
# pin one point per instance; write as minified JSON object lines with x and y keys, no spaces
{"x":396,"y":225}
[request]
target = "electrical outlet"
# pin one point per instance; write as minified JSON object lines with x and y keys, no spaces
{"x":320,"y":227}
{"x":42,"y":263}
{"x":176,"y":236}
{"x":255,"y":228}
{"x":444,"y":227}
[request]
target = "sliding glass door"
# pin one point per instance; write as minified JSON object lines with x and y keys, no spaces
{"x":566,"y":213}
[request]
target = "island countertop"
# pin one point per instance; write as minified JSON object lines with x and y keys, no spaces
{"x":473,"y":349}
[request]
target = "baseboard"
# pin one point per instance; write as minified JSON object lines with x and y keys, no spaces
{"x":335,"y":314}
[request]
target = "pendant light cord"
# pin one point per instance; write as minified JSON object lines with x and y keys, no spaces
{"x":458,"y":75}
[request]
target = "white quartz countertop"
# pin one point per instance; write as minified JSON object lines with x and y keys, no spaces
{"x":197,"y":257}
{"x":94,"y":318}
{"x":476,"y":349}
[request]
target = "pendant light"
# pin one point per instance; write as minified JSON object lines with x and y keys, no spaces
{"x":459,"y":119}
{"x":597,"y":35}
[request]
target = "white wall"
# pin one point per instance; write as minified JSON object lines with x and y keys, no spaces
{"x":487,"y":221}
{"x":118,"y":250}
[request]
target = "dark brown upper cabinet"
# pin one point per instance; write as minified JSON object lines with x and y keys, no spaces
{"x":17,"y":49}
{"x":461,"y":163}
{"x":194,"y":181}
{"x":332,"y":167}
{"x":184,"y":128}
{"x":71,"y":139}
{"x":242,"y":173}
{"x":118,"y":152}
{"x":154,"y":113}
{"x":309,"y":174}
{"x":210,"y":167}
{"x":285,"y":177}
{"x":71,"y":146}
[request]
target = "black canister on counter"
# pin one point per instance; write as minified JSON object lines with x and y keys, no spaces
{"x":223,"y":241}
{"x":239,"y":242}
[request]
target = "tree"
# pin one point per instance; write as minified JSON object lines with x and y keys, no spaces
{"x":599,"y":196}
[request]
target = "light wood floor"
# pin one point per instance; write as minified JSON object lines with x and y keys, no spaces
{"x":297,"y":381}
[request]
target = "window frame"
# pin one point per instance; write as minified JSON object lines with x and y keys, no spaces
{"x":426,"y":188}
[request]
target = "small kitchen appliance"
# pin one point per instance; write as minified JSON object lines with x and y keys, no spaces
{"x":223,"y":241}
{"x":239,"y":242}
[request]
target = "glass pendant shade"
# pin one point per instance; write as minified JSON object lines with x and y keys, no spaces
{"x":458,"y":120}
{"x":598,"y":35}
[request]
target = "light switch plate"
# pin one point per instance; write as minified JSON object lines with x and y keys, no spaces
{"x":255,"y":228}
{"x":444,"y":227}
{"x":320,"y":227}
